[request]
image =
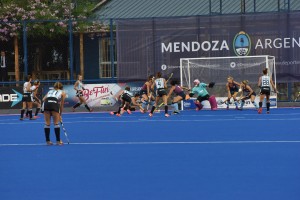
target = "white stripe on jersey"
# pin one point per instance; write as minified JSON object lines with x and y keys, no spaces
{"x":80,"y":85}
{"x":25,"y":87}
{"x":55,"y":93}
{"x":159,"y":83}
{"x":265,"y":81}
{"x":129,"y":93}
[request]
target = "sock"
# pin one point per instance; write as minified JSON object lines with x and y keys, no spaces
{"x":57,"y":132}
{"x":87,"y":107}
{"x":47,"y":132}
{"x":236,"y":103}
{"x":22,"y":113}
{"x":144,"y":105}
{"x":255,"y":104}
{"x":30,"y":113}
{"x":27,"y":113}
{"x":152,"y":109}
{"x":37,"y":111}
{"x":119,"y":110}
{"x":175,"y":105}
{"x":166,"y":109}
{"x":260,"y":104}
{"x":242,"y":104}
{"x":268,"y":106}
{"x":76,"y":105}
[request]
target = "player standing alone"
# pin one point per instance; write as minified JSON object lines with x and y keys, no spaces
{"x":78,"y":86}
{"x":53,"y":106}
{"x":265,"y":82}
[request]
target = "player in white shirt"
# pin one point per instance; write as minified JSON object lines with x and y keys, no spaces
{"x":78,"y":86}
{"x":265,"y":82}
{"x":26,"y":99}
{"x":52,"y":107}
{"x":161,"y":86}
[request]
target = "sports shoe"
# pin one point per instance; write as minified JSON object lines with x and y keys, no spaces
{"x":21,"y":118}
{"x":259,"y":111}
{"x":175,"y":112}
{"x":33,"y":118}
{"x":197,"y":109}
{"x":36,"y":116}
{"x":227,"y":108}
{"x":49,"y":143}
{"x":111,"y":113}
{"x":268,"y":112}
{"x":59,"y":143}
{"x":150,"y":114}
{"x":142,"y":111}
{"x":167,"y":115}
{"x":91,"y":110}
{"x":73,"y":109}
{"x":118,"y":115}
{"x":129,"y":112}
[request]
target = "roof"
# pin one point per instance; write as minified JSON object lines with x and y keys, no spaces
{"x":123,"y":9}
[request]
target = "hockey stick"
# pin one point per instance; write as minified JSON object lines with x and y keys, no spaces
{"x":65,"y":132}
{"x":171,"y":75}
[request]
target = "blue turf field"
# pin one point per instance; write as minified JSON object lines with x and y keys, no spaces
{"x":206,"y":155}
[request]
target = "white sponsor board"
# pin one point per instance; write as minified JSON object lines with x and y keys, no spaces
{"x":221,"y":105}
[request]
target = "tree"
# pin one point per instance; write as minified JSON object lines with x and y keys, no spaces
{"x":46,"y":18}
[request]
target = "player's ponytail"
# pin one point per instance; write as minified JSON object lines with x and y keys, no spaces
{"x":58,"y":86}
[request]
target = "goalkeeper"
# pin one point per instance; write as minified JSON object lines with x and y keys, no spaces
{"x":200,"y":89}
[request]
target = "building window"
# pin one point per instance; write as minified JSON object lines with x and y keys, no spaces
{"x":105,"y":62}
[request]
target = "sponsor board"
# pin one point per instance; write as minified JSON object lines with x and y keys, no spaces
{"x":11,"y":97}
{"x":190,"y":104}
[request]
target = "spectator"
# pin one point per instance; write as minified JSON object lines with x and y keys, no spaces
{"x":3,"y":67}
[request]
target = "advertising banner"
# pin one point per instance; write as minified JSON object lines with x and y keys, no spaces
{"x":190,"y":104}
{"x":11,"y":97}
{"x":103,"y":96}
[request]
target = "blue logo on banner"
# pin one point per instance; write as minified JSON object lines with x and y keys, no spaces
{"x":242,"y":44}
{"x":19,"y":98}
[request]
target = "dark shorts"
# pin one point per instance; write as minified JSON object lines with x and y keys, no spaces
{"x":126,"y":98}
{"x":79,"y":93}
{"x":232,"y":91}
{"x":248,"y":97}
{"x":182,"y":95}
{"x":143,"y":92}
{"x":161,"y":92}
{"x":51,"y":104}
{"x":265,"y":90}
{"x":26,"y":97}
{"x":200,"y":99}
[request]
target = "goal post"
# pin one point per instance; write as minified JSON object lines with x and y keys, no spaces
{"x":217,"y":69}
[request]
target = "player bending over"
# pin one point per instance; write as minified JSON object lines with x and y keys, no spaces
{"x":161,"y":86}
{"x":78,"y":86}
{"x":127,"y":98}
{"x":265,"y":82}
{"x":232,"y":89}
{"x":52,"y":107}
{"x":248,"y":93}
{"x":180,"y":95}
{"x":200,"y":89}
{"x":147,"y":97}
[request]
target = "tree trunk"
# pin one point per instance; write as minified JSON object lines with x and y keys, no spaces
{"x":17,"y":68}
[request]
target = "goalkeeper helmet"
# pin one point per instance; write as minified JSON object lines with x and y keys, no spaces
{"x":196,"y":81}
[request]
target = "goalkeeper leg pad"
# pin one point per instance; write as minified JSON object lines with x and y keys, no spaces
{"x":199,"y":106}
{"x":213,"y":102}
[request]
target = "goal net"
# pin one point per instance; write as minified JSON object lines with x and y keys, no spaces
{"x":217,"y":69}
